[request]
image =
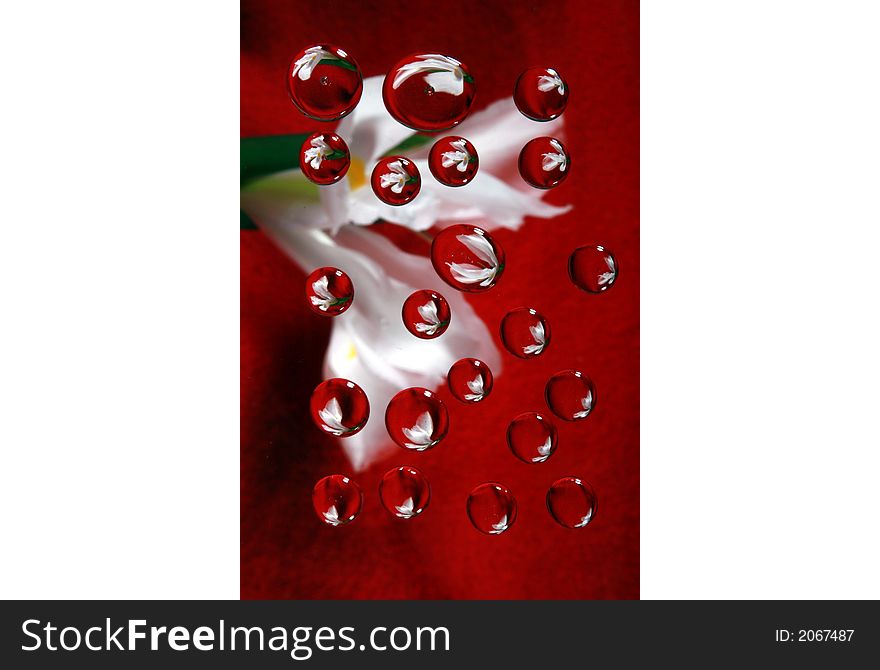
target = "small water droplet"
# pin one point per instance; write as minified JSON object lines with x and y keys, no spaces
{"x":324,"y":158}
{"x":467,"y":258}
{"x":491,"y":507}
{"x":572,"y":502}
{"x":309,"y":78}
{"x":593,"y":268}
{"x":337,"y":500}
{"x":416,"y":419}
{"x":429,"y":92}
{"x":396,"y":180}
{"x":404,"y":492}
{"x":470,"y":380}
{"x":540,"y":94}
{"x":329,"y":291}
{"x":426,"y":314}
{"x":544,"y":162}
{"x":532,"y":437}
{"x":525,"y":333}
{"x":339,"y":407}
{"x":453,"y":161}
{"x":570,"y":395}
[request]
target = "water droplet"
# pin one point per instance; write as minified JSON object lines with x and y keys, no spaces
{"x":337,"y":500}
{"x":470,"y":380}
{"x":404,"y":492}
{"x":544,"y":162}
{"x":467,"y":258}
{"x":532,"y":437}
{"x":429,"y":92}
{"x":525,"y":333}
{"x":324,"y":82}
{"x":416,"y":419}
{"x":426,"y":314}
{"x":324,"y":158}
{"x":329,"y":291}
{"x":540,"y":94}
{"x":339,"y":407}
{"x":570,"y":395}
{"x":396,"y":180}
{"x":572,"y":502}
{"x":593,"y":268}
{"x":453,"y":161}
{"x":491,"y":507}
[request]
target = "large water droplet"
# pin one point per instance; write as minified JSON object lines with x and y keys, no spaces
{"x":491,"y":507}
{"x":532,"y":437}
{"x":426,"y":314}
{"x":404,"y":492}
{"x":324,"y":82}
{"x":467,"y":258}
{"x":592,"y":268}
{"x":329,"y":291}
{"x":396,"y":180}
{"x":453,"y":161}
{"x":570,"y":395}
{"x":572,"y":502}
{"x":544,"y":162}
{"x":429,"y":92}
{"x":324,"y":158}
{"x":540,"y":94}
{"x":525,"y":333}
{"x":339,"y":407}
{"x":470,"y":380}
{"x":416,"y":419}
{"x":337,"y":500}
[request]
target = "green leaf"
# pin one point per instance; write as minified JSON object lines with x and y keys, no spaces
{"x":261,"y":156}
{"x":411,"y":142}
{"x":337,"y":62}
{"x":246,"y":222}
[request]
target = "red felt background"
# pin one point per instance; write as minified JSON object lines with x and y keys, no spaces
{"x":285,"y":551}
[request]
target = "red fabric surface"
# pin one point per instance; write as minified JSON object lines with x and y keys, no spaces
{"x":285,"y":551}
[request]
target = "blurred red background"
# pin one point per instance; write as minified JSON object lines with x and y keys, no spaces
{"x":286,"y":552}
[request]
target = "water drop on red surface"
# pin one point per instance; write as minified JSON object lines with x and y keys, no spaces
{"x":324,"y":82}
{"x":491,"y":507}
{"x":525,"y":333}
{"x":544,"y":162}
{"x":329,"y":291}
{"x":572,"y":502}
{"x":592,"y":268}
{"x":470,"y":380}
{"x":429,"y":92}
{"x":339,"y":407}
{"x":540,"y":94}
{"x":532,"y":437}
{"x":570,"y":395}
{"x":467,"y":258}
{"x":416,"y":419}
{"x":453,"y":161}
{"x":337,"y":500}
{"x":404,"y":492}
{"x":396,"y":180}
{"x":324,"y":158}
{"x":426,"y":314}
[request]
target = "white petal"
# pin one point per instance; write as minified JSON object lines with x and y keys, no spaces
{"x":537,"y":332}
{"x":499,"y":527}
{"x":471,"y":274}
{"x":446,"y":82}
{"x":407,"y":509}
{"x":332,"y":516}
{"x":428,"y":312}
{"x":369,"y":130}
{"x":476,"y":386}
{"x":371,"y":344}
{"x":480,"y":247}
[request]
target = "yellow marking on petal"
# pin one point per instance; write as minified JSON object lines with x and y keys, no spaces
{"x":351,"y":353}
{"x":357,"y":175}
